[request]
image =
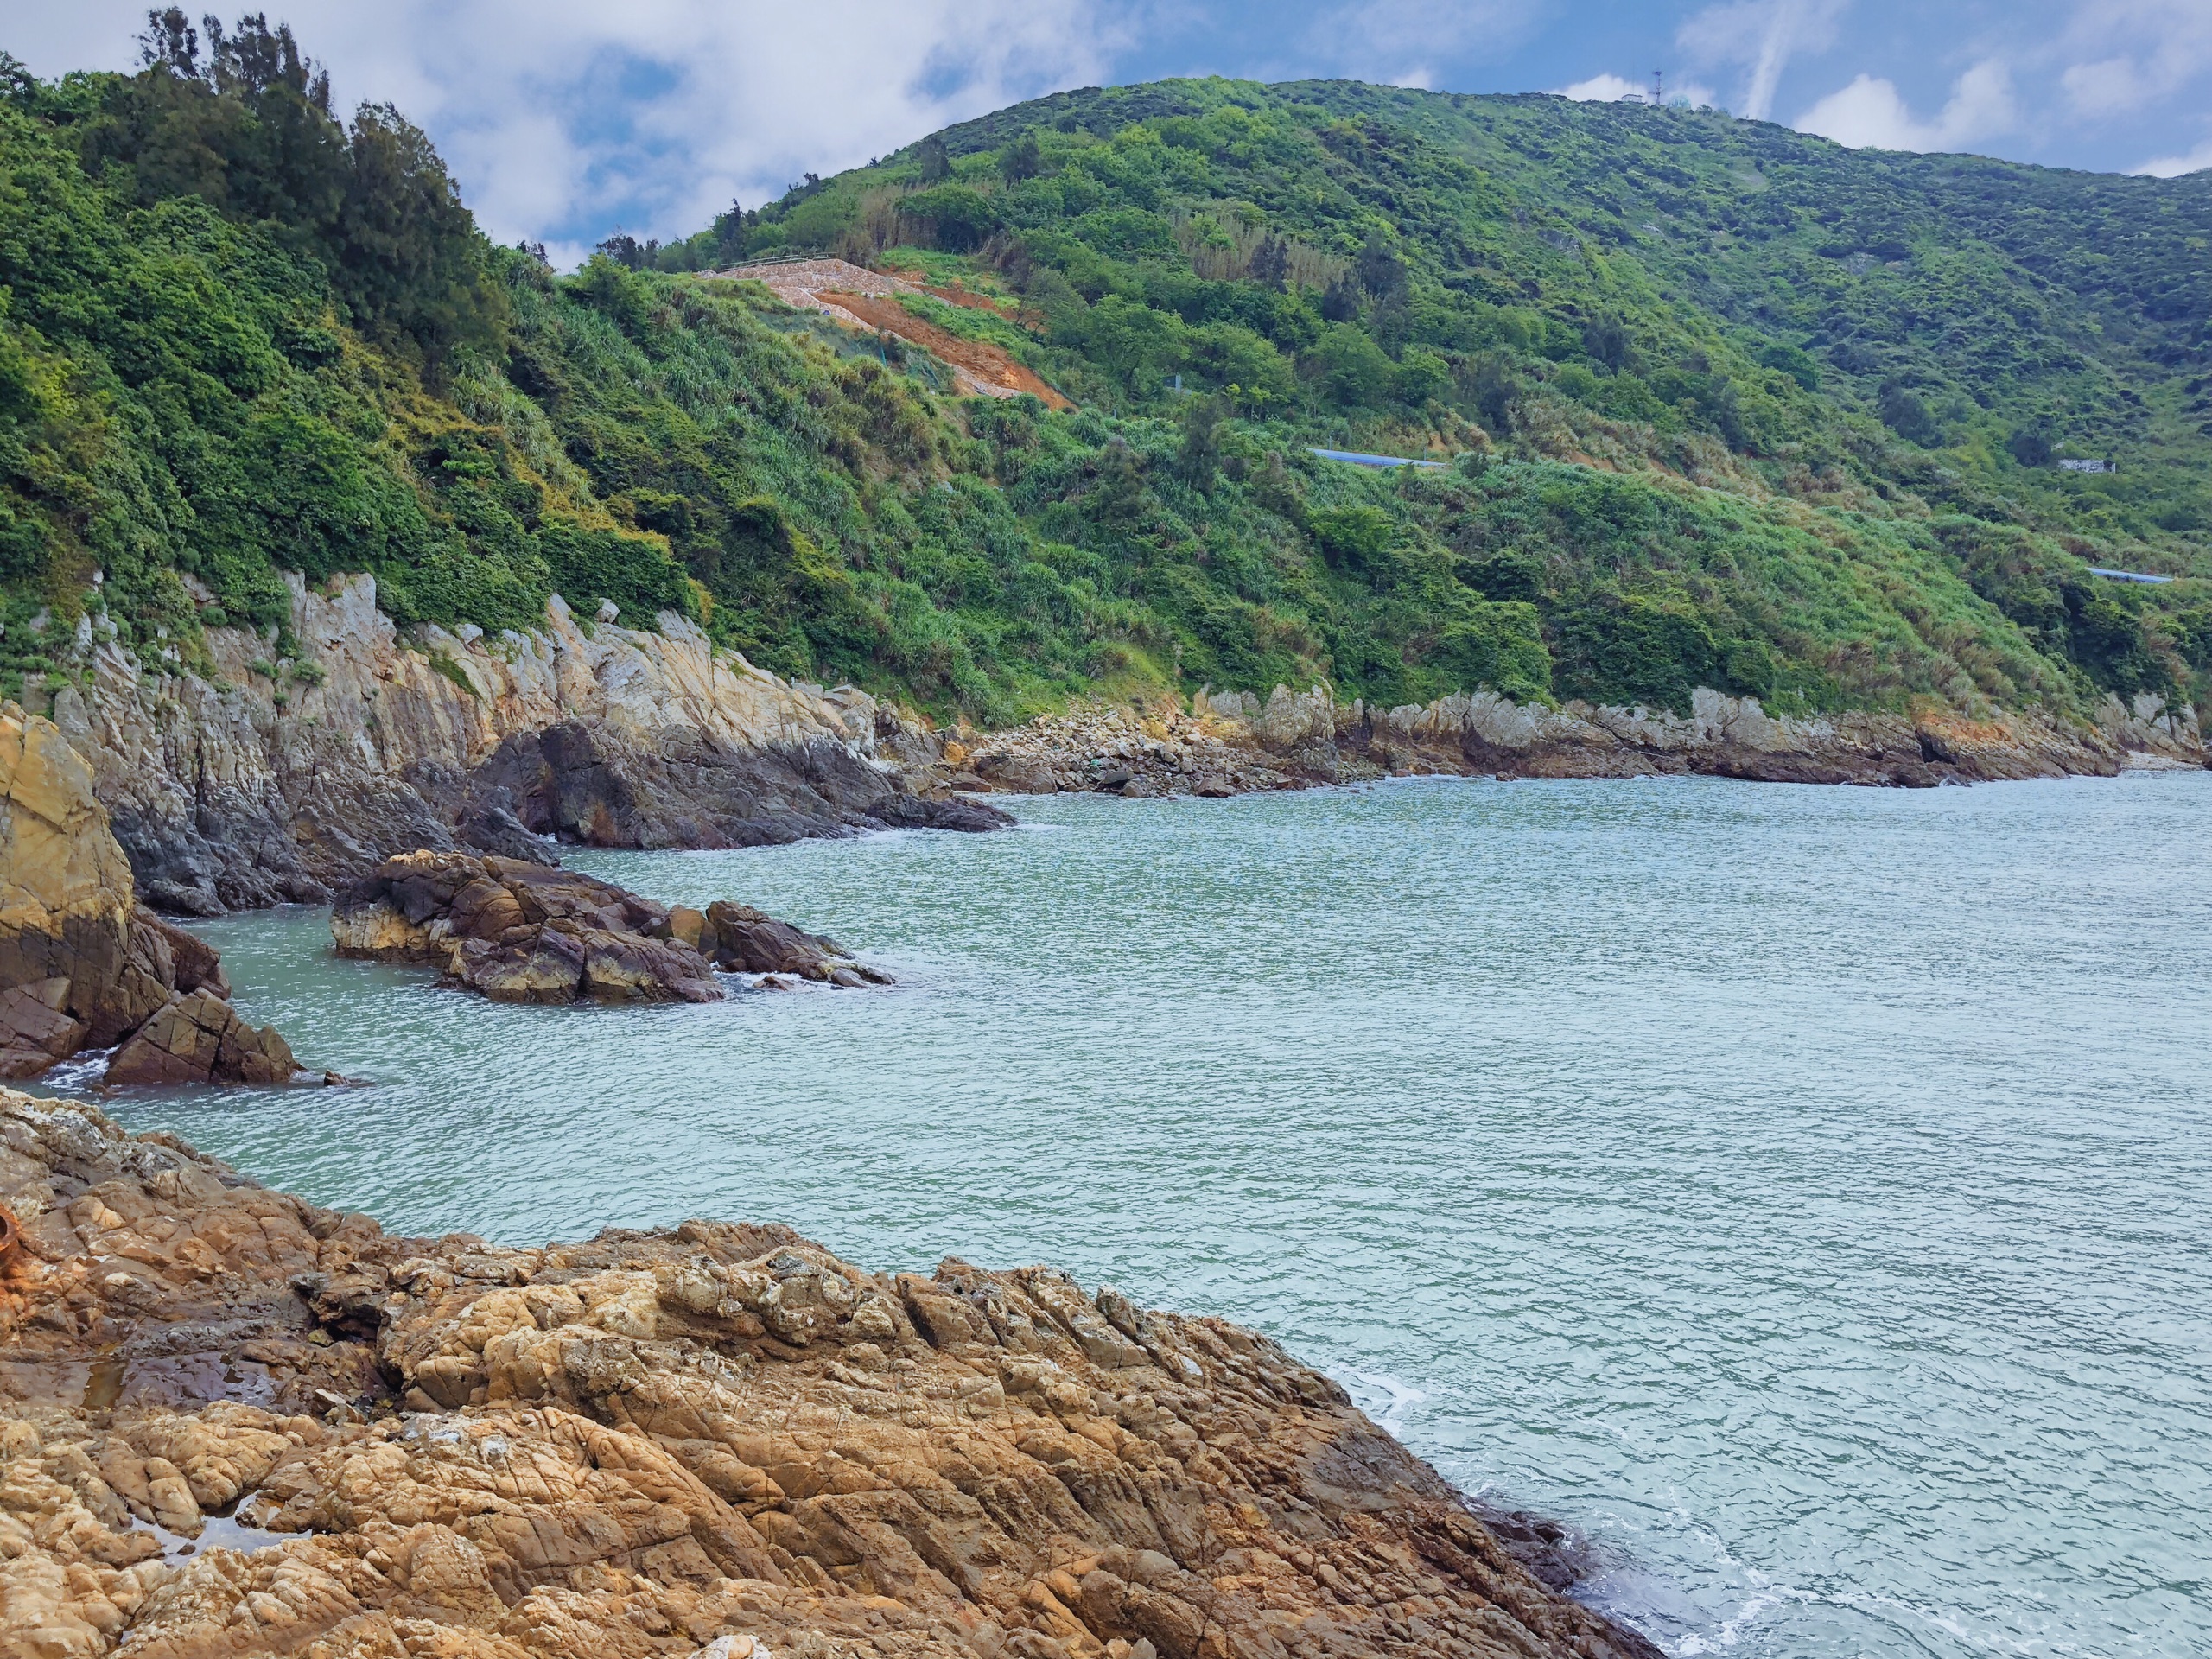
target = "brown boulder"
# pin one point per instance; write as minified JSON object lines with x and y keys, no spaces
{"x":521,"y":932}
{"x":623,"y":968}
{"x":35,"y":1032}
{"x":749,"y":941}
{"x":196,"y":1037}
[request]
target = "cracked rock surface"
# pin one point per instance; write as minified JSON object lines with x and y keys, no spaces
{"x":720,"y":1437}
{"x":520,"y":932}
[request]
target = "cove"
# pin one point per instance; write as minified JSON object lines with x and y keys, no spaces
{"x":1799,"y":1190}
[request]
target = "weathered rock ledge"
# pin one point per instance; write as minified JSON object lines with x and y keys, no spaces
{"x":282,"y":780}
{"x":719,"y":1438}
{"x":521,"y":932}
{"x":1231,"y":743}
{"x":83,"y":965}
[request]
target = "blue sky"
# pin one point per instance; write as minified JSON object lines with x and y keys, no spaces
{"x":569,"y":119}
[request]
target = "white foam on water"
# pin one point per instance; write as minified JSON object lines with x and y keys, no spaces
{"x":1387,"y":1399}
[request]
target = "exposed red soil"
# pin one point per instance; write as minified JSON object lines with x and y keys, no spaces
{"x":987,"y":364}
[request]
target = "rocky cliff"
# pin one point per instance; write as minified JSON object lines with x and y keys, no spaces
{"x":721,"y":1438}
{"x":1230,"y":742}
{"x":83,"y":965}
{"x":272,"y":778}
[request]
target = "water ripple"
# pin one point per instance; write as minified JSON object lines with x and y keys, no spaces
{"x":1801,"y":1190}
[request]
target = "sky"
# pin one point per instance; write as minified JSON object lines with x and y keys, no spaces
{"x":569,"y":120}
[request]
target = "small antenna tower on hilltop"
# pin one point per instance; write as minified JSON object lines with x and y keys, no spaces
{"x":1658,"y":89}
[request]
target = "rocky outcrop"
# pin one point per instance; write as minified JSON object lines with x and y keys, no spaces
{"x":521,"y":932}
{"x":280,"y":780}
{"x":719,"y":1438}
{"x":1231,"y":742}
{"x":1733,"y":737}
{"x":84,"y":965}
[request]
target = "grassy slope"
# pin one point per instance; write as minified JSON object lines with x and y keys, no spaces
{"x":1665,"y":341}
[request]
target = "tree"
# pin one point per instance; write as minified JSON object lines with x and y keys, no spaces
{"x":1492,"y":390}
{"x":1270,"y":262}
{"x":411,"y":265}
{"x":1199,"y":458}
{"x":1021,"y":159}
{"x":936,"y":161}
{"x":1904,"y":413}
{"x":1340,"y":301}
{"x":241,"y":118}
{"x":1605,"y":341}
{"x":1381,"y":272}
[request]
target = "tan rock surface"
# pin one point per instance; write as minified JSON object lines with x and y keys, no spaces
{"x":717,"y":1438}
{"x":82,"y":963}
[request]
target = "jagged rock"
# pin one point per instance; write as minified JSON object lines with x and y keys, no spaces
{"x":526,"y":933}
{"x":82,"y":963}
{"x":224,"y":799}
{"x":703,"y":1440}
{"x":745,"y":940}
{"x":196,"y":1037}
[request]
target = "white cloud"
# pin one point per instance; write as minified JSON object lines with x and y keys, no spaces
{"x":2162,"y":46}
{"x":1871,"y":114}
{"x":2172,"y":167}
{"x":1603,"y":89}
{"x":1762,"y":36}
{"x":560,"y":114}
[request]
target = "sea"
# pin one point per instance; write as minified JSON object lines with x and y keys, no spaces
{"x":1805,"y":1192}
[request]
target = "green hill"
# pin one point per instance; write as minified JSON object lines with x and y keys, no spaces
{"x":1721,"y":405}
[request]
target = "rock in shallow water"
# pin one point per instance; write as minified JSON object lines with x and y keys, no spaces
{"x":657,"y":1442}
{"x":524,"y":932}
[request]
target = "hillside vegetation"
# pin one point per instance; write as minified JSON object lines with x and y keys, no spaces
{"x":1719,"y":404}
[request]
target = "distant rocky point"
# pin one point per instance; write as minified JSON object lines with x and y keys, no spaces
{"x":523,"y":933}
{"x":1233,"y":743}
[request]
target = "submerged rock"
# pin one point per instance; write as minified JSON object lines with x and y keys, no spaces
{"x":521,"y":932}
{"x":82,"y":963}
{"x":721,"y":1437}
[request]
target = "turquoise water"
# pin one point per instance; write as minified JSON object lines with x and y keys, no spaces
{"x":1803,"y":1191}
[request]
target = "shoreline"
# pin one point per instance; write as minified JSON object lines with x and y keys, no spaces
{"x":1232,"y":744}
{"x":729,"y":1433}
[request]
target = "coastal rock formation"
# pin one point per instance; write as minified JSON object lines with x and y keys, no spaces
{"x":523,"y":933}
{"x":82,"y":963}
{"x":1231,"y":742}
{"x":719,"y":1439}
{"x":282,"y":780}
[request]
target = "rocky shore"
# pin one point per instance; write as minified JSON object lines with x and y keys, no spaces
{"x":1231,"y":743}
{"x":83,"y":965}
{"x":234,"y":1422}
{"x":262,"y":778}
{"x":521,"y":932}
{"x":267,"y":778}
